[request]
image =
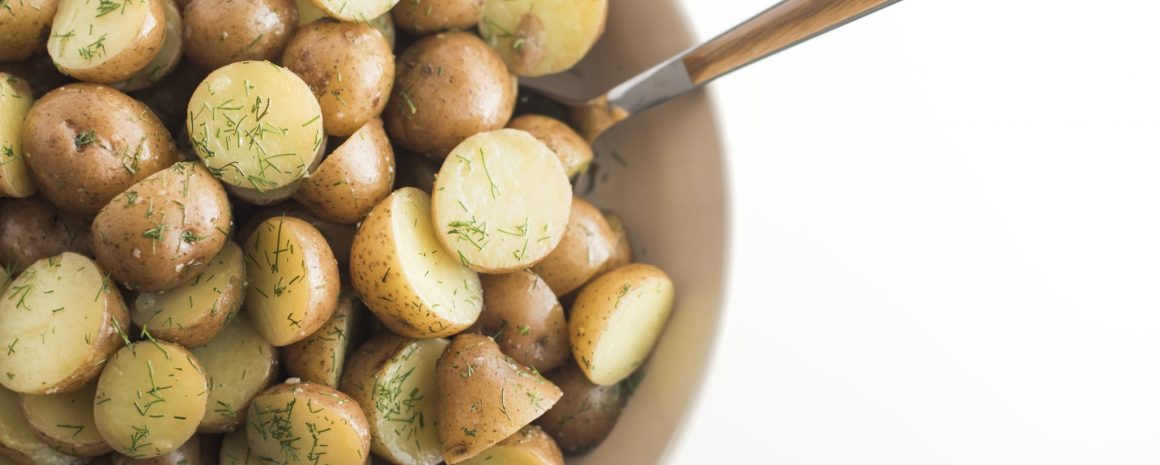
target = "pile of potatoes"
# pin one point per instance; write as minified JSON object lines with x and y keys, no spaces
{"x":239,"y":232}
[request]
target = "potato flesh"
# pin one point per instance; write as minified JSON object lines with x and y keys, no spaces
{"x":303,"y":429}
{"x":501,"y":201}
{"x":280,"y":288}
{"x":86,"y":33}
{"x":569,"y":27}
{"x":50,"y":317}
{"x":15,"y":100}
{"x":192,"y":302}
{"x":637,"y":317}
{"x":166,"y":60}
{"x":355,"y":10}
{"x":406,"y":403}
{"x":18,"y":436}
{"x":238,"y":365}
{"x":66,"y":418}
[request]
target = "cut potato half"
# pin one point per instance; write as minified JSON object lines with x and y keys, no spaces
{"x":529,"y":446}
{"x":59,"y":322}
{"x":166,"y":60}
{"x":307,"y":424}
{"x":106,"y":41}
{"x":355,"y":10}
{"x":65,"y":421}
{"x":18,"y":441}
{"x":15,"y":100}
{"x":501,"y":201}
{"x":238,"y":364}
{"x":195,"y":312}
{"x":539,"y":37}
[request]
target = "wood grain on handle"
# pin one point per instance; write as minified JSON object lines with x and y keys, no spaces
{"x":778,"y":28}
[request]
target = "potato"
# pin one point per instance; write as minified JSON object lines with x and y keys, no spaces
{"x":163,"y":231}
{"x":258,"y":129}
{"x":427,"y":16}
{"x":617,"y":319}
{"x":393,"y":380}
{"x":485,"y":396}
{"x":18,"y":441}
{"x":350,"y":69}
{"x":166,"y":60}
{"x":587,"y":245}
{"x":293,"y":280}
{"x":236,"y":450}
{"x":355,"y":10}
{"x":108,"y":140}
{"x":352,"y":180}
{"x":59,"y":320}
{"x":32,"y":229}
{"x":448,"y":87}
{"x":24,"y":26}
{"x":338,"y":236}
{"x":527,"y":321}
{"x":220,"y":32}
{"x":540,"y":37}
{"x":584,"y":416}
{"x":195,"y":312}
{"x":65,"y":421}
{"x":304,"y":423}
{"x":321,"y":357}
{"x":150,"y":399}
{"x":106,"y":41}
{"x":501,"y":201}
{"x":309,"y":13}
{"x":15,"y":100}
{"x":239,"y":365}
{"x":406,"y":277}
{"x":622,"y":251}
{"x":198,"y":450}
{"x":529,"y":446}
{"x":573,"y":150}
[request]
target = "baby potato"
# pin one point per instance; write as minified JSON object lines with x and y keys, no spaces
{"x":24,"y":27}
{"x":587,"y":245}
{"x":15,"y":100}
{"x":584,"y":416}
{"x":501,"y":201}
{"x":448,"y":87}
{"x":527,"y":321}
{"x":617,"y":319}
{"x":236,"y":450}
{"x":338,"y":236}
{"x":321,"y":357}
{"x":195,"y":312}
{"x":427,"y":16}
{"x":350,"y":69}
{"x":32,"y":229}
{"x":257,"y":127}
{"x":352,"y":180}
{"x":65,"y":421}
{"x":293,"y":280}
{"x":220,"y":32}
{"x":59,"y":320}
{"x":166,"y":60}
{"x":106,"y":42}
{"x":198,"y":450}
{"x":18,"y":441}
{"x":239,"y":365}
{"x":573,"y":150}
{"x":529,"y":446}
{"x":406,"y":277}
{"x":309,"y":13}
{"x":107,"y":140}
{"x":355,"y":10}
{"x":327,"y":425}
{"x":150,"y":399}
{"x":540,"y":37}
{"x":622,"y":251}
{"x":163,"y":231}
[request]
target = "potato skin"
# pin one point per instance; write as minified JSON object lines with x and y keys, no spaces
{"x":448,"y":88}
{"x":32,"y":229}
{"x":527,"y":321}
{"x":587,"y":245}
{"x":352,"y":180}
{"x":622,"y":251}
{"x":25,"y":30}
{"x":108,"y":140}
{"x":220,"y":32}
{"x":350,"y":68}
{"x":572,"y":149}
{"x":320,"y":358}
{"x":427,"y":16}
{"x":585,"y":415}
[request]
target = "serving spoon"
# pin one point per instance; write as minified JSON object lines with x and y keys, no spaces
{"x":778,"y":28}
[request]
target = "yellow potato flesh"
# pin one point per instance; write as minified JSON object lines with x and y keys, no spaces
{"x":15,"y":100}
{"x":355,"y":10}
{"x":190,"y":303}
{"x":293,"y":429}
{"x":238,"y":364}
{"x":569,"y":27}
{"x":66,"y":418}
{"x":406,"y":403}
{"x":17,"y":435}
{"x":279,"y":293}
{"x":166,"y":60}
{"x":88,"y":33}
{"x":624,"y":320}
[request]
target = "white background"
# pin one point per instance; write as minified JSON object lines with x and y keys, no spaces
{"x":947,"y":240}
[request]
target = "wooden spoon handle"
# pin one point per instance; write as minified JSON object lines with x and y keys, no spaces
{"x":782,"y":26}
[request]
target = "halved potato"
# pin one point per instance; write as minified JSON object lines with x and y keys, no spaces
{"x":406,"y":277}
{"x":106,"y":41}
{"x":393,"y":379}
{"x":353,"y":179}
{"x":199,"y":450}
{"x":524,"y":317}
{"x":150,"y":399}
{"x":501,"y":201}
{"x":355,"y":10}
{"x":338,"y":236}
{"x":15,"y":100}
{"x":309,"y":13}
{"x":24,"y":26}
{"x":573,"y":150}
{"x":236,"y":450}
{"x":60,"y":320}
{"x":238,"y":364}
{"x":617,"y":319}
{"x":166,"y":60}
{"x":18,"y":440}
{"x":321,"y":357}
{"x":529,"y":446}
{"x":587,"y":245}
{"x":539,"y":37}
{"x":65,"y":421}
{"x":307,"y":424}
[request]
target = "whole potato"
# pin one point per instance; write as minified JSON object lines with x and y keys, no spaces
{"x":427,"y":16}
{"x":448,"y":87}
{"x":220,"y":32}
{"x":107,"y":140}
{"x":348,"y":66}
{"x":522,"y":314}
{"x":585,"y":414}
{"x":32,"y":229}
{"x":24,"y":27}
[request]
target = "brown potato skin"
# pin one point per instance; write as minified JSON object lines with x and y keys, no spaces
{"x":527,"y":321}
{"x":352,"y":180}
{"x":585,"y":415}
{"x":128,"y":144}
{"x":459,"y":87}
{"x":201,"y":449}
{"x":427,"y":16}
{"x":32,"y":229}
{"x":572,"y":149}
{"x":350,"y":68}
{"x":587,"y":245}
{"x":310,"y":359}
{"x":622,"y":251}
{"x":26,"y":29}
{"x":191,"y":207}
{"x":220,"y":32}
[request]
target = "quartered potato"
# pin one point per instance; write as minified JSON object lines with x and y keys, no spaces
{"x":24,"y":26}
{"x":32,"y":229}
{"x":393,"y":380}
{"x":150,"y":399}
{"x":321,"y":357}
{"x":106,"y":41}
{"x":427,"y":16}
{"x":585,"y":414}
{"x":220,"y":32}
{"x":258,"y":128}
{"x":15,"y":100}
{"x":617,"y":319}
{"x":523,"y":316}
{"x":166,"y":60}
{"x":65,"y":421}
{"x":293,"y":280}
{"x":18,"y":441}
{"x":59,"y":320}
{"x":198,"y":450}
{"x":622,"y":251}
{"x":236,"y":450}
{"x":587,"y":245}
{"x":406,"y":277}
{"x":238,"y":364}
{"x":355,"y":10}
{"x":529,"y":446}
{"x":324,"y":426}
{"x":540,"y":37}
{"x":573,"y":150}
{"x":352,"y":180}
{"x":501,"y":201}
